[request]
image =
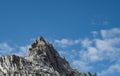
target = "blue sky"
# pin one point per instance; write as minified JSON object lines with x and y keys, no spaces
{"x":86,"y":32}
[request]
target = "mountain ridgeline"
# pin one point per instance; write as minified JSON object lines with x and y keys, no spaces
{"x":42,"y":60}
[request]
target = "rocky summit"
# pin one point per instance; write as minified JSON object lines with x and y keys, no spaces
{"x":42,"y":60}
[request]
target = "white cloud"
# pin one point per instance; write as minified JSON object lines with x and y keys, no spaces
{"x":66,"y":42}
{"x":95,"y":33}
{"x":102,"y":49}
{"x":109,"y":49}
{"x":98,"y":49}
{"x":113,"y":33}
{"x":86,"y":43}
{"x":32,"y":39}
{"x":82,"y":66}
{"x":5,"y":48}
{"x":70,"y":54}
{"x":23,"y":50}
{"x":90,"y":55}
{"x":111,"y":70}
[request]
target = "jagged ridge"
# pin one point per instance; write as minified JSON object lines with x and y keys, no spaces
{"x":42,"y":60}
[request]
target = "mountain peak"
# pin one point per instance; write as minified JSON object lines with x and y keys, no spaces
{"x":42,"y":60}
{"x":41,"y":48}
{"x":39,"y":43}
{"x":40,"y":38}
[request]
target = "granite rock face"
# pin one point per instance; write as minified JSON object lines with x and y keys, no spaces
{"x":42,"y":60}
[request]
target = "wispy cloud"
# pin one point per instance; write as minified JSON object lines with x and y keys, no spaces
{"x":95,"y":22}
{"x":103,"y":49}
{"x":94,"y":33}
{"x":113,"y":33}
{"x":86,"y":42}
{"x":111,"y":70}
{"x":100,"y":20}
{"x":5,"y":48}
{"x":66,"y":42}
{"x":99,"y":49}
{"x":83,"y":66}
{"x":23,"y":50}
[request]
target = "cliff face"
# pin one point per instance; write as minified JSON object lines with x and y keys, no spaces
{"x":42,"y":60}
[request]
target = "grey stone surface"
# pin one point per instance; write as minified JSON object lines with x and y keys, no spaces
{"x":42,"y":60}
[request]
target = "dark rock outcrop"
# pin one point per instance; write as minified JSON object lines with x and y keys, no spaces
{"x":42,"y":60}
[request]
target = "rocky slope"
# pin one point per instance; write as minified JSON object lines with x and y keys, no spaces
{"x":42,"y":60}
